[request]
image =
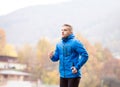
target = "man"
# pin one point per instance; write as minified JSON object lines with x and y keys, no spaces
{"x":71,"y":55}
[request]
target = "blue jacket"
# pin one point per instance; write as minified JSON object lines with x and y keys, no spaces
{"x":70,"y":52}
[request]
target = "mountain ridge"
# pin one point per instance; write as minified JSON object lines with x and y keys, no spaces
{"x":97,"y":22}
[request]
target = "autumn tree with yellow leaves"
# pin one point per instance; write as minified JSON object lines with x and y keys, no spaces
{"x":5,"y":48}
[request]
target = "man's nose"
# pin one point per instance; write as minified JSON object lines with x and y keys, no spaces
{"x":62,"y":32}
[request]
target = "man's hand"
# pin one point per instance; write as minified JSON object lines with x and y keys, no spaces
{"x":51,"y":54}
{"x":74,"y":70}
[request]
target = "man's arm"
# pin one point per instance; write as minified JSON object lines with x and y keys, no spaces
{"x":83,"y":53}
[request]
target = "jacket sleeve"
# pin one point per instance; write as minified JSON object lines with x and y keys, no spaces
{"x":55,"y":57}
{"x":79,"y":48}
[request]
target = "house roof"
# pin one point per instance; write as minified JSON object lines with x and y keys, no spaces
{"x":7,"y":58}
{"x":13,"y":72}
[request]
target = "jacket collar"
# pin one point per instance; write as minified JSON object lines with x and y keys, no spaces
{"x":71,"y":36}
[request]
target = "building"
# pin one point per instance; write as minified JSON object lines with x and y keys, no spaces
{"x":11,"y":70}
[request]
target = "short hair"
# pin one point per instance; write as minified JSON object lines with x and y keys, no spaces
{"x":68,"y":25}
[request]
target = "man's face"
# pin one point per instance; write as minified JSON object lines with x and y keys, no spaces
{"x":66,"y":31}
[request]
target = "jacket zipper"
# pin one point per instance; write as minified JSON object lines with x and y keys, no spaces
{"x":64,"y":58}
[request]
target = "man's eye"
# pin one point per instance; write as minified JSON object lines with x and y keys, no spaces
{"x":65,"y":30}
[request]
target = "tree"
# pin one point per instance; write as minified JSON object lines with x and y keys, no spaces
{"x":26,"y":54}
{"x":9,"y":50}
{"x":2,"y":41}
{"x":45,"y":65}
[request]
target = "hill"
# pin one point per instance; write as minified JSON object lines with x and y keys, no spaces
{"x":98,"y":21}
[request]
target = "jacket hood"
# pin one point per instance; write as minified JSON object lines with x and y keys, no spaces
{"x":71,"y":36}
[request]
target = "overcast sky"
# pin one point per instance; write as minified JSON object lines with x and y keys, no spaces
{"x":8,"y":6}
